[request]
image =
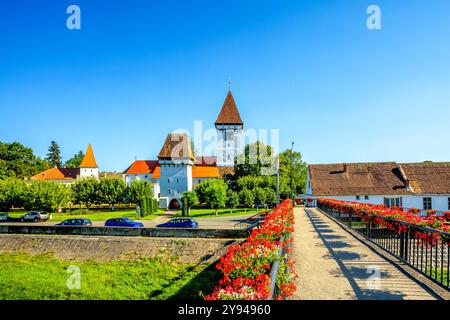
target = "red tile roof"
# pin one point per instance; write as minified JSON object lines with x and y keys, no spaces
{"x":57,"y":174}
{"x":205,"y":172}
{"x":142,"y":167}
{"x":89,"y":159}
{"x":229,"y":113}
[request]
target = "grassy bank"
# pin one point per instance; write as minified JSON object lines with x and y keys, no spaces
{"x":30,"y":277}
{"x":211,"y":213}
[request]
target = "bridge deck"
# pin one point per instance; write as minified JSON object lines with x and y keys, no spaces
{"x":333,"y":265}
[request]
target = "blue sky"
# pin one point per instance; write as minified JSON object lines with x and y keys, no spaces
{"x":139,"y":69}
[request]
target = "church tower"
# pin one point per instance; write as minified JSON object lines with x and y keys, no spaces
{"x":229,"y":127}
{"x":88,"y":167}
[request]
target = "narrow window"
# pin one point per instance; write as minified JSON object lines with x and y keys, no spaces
{"x":427,"y":205}
{"x":366,"y":197}
{"x":448,"y":203}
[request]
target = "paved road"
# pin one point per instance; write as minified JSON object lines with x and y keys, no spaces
{"x":333,"y":265}
{"x":225,"y":222}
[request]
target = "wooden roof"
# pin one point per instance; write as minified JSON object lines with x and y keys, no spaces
{"x":380,"y":178}
{"x":176,"y":146}
{"x":229,"y":113}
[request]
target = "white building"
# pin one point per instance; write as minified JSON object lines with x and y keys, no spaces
{"x":177,"y":169}
{"x":423,"y":185}
{"x":229,"y":127}
{"x":88,"y":168}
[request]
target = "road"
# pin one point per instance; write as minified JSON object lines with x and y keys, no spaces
{"x":225,"y":222}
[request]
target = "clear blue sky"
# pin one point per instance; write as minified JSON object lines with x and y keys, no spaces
{"x":139,"y":69}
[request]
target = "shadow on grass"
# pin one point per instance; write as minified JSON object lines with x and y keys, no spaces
{"x":203,"y":282}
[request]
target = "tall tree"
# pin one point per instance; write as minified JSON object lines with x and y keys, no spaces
{"x":216,"y":195}
{"x":19,"y":161}
{"x":189,"y":199}
{"x":54,"y":155}
{"x":85,"y":191}
{"x":75,"y":161}
{"x":298,"y":170}
{"x":256,"y":160}
{"x":112,"y":190}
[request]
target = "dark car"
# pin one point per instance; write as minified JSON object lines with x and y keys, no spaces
{"x":75,"y":222}
{"x":123,"y":222}
{"x":179,"y":223}
{"x":35,"y":216}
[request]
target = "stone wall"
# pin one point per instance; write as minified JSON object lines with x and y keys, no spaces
{"x":140,"y":232}
{"x":104,"y":248}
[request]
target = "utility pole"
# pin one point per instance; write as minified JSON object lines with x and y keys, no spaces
{"x":292,"y":177}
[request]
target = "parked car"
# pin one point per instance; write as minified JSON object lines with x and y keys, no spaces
{"x":3,"y":217}
{"x":179,"y":223}
{"x":35,"y":216}
{"x":123,"y":222}
{"x":75,"y":222}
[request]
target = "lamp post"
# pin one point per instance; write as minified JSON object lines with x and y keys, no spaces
{"x":292,"y":177}
{"x":278,"y":179}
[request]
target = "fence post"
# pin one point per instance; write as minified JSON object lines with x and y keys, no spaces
{"x":350,"y":219}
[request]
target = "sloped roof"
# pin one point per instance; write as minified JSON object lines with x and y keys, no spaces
{"x":428,"y":177}
{"x":379,"y":178}
{"x":176,"y":146}
{"x":205,"y":161}
{"x":225,"y":170}
{"x":57,"y":174}
{"x":205,"y":172}
{"x":229,"y":113}
{"x":142,"y":167}
{"x":89,"y":159}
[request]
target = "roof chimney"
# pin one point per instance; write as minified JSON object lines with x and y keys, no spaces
{"x":345,"y":167}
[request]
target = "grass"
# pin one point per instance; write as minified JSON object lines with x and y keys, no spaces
{"x":31,"y":277}
{"x":211,"y":213}
{"x":95,"y":215}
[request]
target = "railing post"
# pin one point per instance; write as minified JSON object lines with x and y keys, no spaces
{"x":368,"y":228}
{"x":350,"y":219}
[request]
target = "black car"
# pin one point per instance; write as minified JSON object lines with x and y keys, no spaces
{"x":75,"y":222}
{"x":35,"y":216}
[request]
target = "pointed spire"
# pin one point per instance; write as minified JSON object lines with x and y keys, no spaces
{"x":229,"y":113}
{"x":89,"y":159}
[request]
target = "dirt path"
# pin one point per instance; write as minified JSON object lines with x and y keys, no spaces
{"x":333,"y":265}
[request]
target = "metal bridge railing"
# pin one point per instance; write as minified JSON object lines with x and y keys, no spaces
{"x":424,"y":249}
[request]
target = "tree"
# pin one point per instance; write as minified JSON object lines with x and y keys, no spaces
{"x":247,"y":198}
{"x":189,"y":199}
{"x":85,"y":191}
{"x":138,"y":190}
{"x":75,"y":161}
{"x":216,"y":195}
{"x":233,"y":199}
{"x":260,"y":196}
{"x":299,"y":171}
{"x":270,"y":195}
{"x":54,"y":155}
{"x":11,"y":193}
{"x":111,"y":190}
{"x":256,"y":160}
{"x":46,"y":195}
{"x":201,"y":188}
{"x":19,"y":161}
